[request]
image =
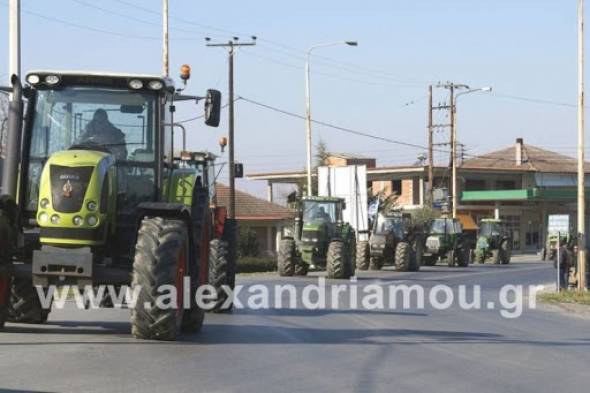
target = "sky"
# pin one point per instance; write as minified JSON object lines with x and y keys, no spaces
{"x":526,"y":50}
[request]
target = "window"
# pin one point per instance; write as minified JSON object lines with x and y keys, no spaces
{"x":319,"y":211}
{"x":396,"y":187}
{"x":475,"y":185}
{"x":118,"y":122}
{"x":505,"y":185}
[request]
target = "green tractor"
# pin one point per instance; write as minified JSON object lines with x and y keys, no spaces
{"x":319,"y":239}
{"x":394,"y":240}
{"x":494,"y":241}
{"x":92,"y":195}
{"x":445,"y":240}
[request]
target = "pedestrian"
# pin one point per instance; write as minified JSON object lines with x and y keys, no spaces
{"x":564,"y":264}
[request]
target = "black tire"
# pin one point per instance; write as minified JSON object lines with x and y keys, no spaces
{"x":376,"y":263}
{"x":350,"y":258}
{"x":160,"y":253}
{"x":417,"y":255}
{"x":403,"y":256}
{"x":336,"y":260}
{"x":451,"y":258}
{"x":496,"y":257}
{"x":505,"y":252}
{"x":429,"y":260}
{"x":219,"y":273}
{"x":301,"y":269}
{"x":24,"y":305}
{"x":4,"y":294}
{"x":463,"y":257}
{"x":286,"y":258}
{"x":362,"y":255}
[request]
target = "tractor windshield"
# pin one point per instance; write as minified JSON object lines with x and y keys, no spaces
{"x":438,"y":227}
{"x":319,"y":211}
{"x":387,"y":225}
{"x":489,"y":229}
{"x":119,"y":122}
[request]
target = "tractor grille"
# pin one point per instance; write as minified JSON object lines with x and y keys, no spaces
{"x":68,"y":187}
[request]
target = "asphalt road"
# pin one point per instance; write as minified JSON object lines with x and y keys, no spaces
{"x":299,"y":350}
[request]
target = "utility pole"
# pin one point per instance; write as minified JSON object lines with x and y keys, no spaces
{"x":230,"y":46}
{"x":165,"y":55}
{"x":581,"y":182}
{"x":14,"y":38}
{"x":430,"y":148}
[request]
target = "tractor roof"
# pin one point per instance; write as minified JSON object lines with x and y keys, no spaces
{"x":491,"y":220}
{"x":102,"y":77}
{"x":323,"y":199}
{"x":199,"y":156}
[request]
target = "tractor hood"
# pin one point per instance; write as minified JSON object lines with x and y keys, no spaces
{"x":377,"y":239}
{"x":74,"y":191}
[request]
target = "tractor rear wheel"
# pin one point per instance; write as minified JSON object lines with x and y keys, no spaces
{"x":336,"y":260}
{"x":403,"y":255}
{"x":286,"y":259}
{"x":362,"y":255}
{"x":451,"y":258}
{"x":219,"y":272}
{"x":24,"y":305}
{"x":160,"y":259}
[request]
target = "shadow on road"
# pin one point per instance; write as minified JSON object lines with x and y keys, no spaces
{"x":220,"y":334}
{"x":300,"y":312}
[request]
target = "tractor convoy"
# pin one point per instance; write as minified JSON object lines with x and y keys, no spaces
{"x":93,"y":194}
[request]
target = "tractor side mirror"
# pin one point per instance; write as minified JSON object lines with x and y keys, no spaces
{"x":213,"y":108}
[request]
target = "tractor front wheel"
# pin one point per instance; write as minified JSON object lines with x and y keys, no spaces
{"x":496,"y":256}
{"x":336,"y":260}
{"x":160,"y":259}
{"x":451,"y":258}
{"x":417,"y":255}
{"x":403,"y":255}
{"x":24,"y":305}
{"x":362,"y":255}
{"x":4,"y":295}
{"x":505,"y":253}
{"x":463,"y":257}
{"x":286,"y":259}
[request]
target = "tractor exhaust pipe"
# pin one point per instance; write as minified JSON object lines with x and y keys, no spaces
{"x":13,"y":140}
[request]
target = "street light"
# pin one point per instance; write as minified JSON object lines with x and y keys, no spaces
{"x":454,"y":141}
{"x":308,"y":104}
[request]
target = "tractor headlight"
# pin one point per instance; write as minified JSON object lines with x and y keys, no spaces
{"x":135,"y":84}
{"x":43,"y":218}
{"x":55,"y":219}
{"x":92,"y":220}
{"x":52,"y":79}
{"x":44,"y":203}
{"x":155,"y":85}
{"x":91,"y":206}
{"x":77,"y":220}
{"x":33,"y":79}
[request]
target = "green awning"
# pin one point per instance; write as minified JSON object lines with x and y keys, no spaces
{"x":527,"y":194}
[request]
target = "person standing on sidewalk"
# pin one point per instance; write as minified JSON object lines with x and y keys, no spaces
{"x":564,"y":264}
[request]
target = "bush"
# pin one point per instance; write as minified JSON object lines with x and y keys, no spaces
{"x":248,"y":245}
{"x":256,"y":265}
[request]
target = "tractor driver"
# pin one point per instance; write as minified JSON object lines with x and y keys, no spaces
{"x":101,"y":131}
{"x":321,"y":214}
